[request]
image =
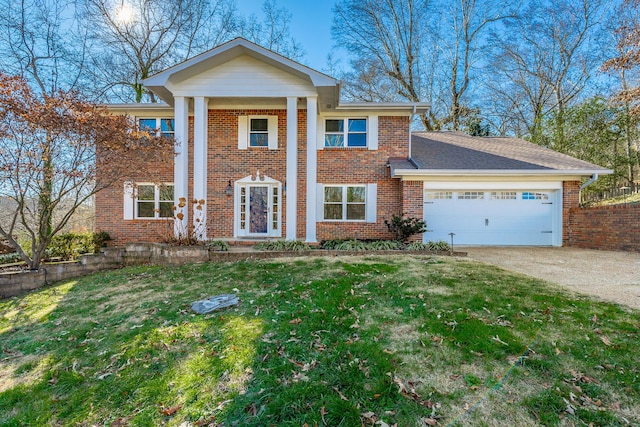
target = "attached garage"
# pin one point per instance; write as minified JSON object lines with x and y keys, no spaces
{"x":502,"y":216}
{"x":489,"y":190}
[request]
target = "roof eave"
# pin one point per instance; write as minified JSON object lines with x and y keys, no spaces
{"x":409,"y":107}
{"x":401,"y":173}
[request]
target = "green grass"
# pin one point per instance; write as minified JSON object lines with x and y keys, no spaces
{"x":336,"y":341}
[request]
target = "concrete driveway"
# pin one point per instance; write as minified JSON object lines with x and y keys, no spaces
{"x":611,"y":276}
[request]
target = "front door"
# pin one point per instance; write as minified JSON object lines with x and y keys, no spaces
{"x":258,"y":209}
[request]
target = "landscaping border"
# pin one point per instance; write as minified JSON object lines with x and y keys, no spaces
{"x":15,"y":283}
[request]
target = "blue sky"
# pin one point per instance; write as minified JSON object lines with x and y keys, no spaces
{"x":310,"y":26}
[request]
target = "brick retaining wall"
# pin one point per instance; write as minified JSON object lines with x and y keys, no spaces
{"x":615,"y":228}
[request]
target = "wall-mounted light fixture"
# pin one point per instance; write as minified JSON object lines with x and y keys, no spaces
{"x":229,"y":189}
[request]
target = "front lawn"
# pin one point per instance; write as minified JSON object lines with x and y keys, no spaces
{"x":340,"y":341}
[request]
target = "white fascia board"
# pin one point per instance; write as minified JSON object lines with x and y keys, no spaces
{"x":381,"y":107}
{"x":140,"y":108}
{"x":565,"y":174}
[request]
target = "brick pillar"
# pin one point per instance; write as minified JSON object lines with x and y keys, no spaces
{"x":570,"y":199}
{"x":412,"y":202}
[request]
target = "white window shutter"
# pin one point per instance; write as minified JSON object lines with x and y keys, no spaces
{"x":320,"y":133}
{"x":372,"y":202}
{"x":243,"y":132}
{"x":372,"y":131}
{"x":129,"y":200}
{"x":273,"y":132}
{"x":319,"y":202}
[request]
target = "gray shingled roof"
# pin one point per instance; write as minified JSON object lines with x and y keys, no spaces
{"x":458,"y":151}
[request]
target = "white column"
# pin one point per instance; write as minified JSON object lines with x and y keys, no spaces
{"x":292,"y":167}
{"x":312,"y":154}
{"x":200,"y":123}
{"x":181,"y":164}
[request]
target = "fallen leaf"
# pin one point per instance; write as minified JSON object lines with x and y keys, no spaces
{"x":251,"y":410}
{"x":323,"y":412}
{"x":430,"y":421}
{"x":605,"y":340}
{"x":295,"y":321}
{"x":167,"y":412}
{"x":120,"y":422}
{"x":342,"y":396}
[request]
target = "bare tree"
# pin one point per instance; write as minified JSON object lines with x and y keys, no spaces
{"x":626,"y":64}
{"x":470,"y":19}
{"x":41,"y":41}
{"x":551,"y":52}
{"x":146,"y":36}
{"x":386,"y":37}
{"x":272,"y":32}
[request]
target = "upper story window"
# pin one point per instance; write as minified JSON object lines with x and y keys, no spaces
{"x":259,"y":132}
{"x":345,"y":133}
{"x":162,"y":127}
{"x":154,"y":201}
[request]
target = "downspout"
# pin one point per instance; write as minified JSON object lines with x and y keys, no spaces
{"x":586,"y":184}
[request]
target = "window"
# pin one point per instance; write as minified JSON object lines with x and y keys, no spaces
{"x":528,"y":195}
{"x":162,"y":127}
{"x":503,"y":195}
{"x":154,"y":201}
{"x":470,"y":195}
{"x":440,"y":195}
{"x":345,"y":203}
{"x":259,"y":133}
{"x":345,"y":133}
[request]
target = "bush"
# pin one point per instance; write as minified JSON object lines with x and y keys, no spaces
{"x":402,"y":228}
{"x":439,"y":246}
{"x":218,"y":245}
{"x":283,"y":245}
{"x":383,"y":245}
{"x":68,"y":246}
{"x":10,"y":258}
{"x":351,"y":245}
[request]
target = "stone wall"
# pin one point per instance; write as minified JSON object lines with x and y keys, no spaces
{"x":615,"y":228}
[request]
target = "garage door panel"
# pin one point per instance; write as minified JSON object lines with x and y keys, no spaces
{"x":492,"y":218}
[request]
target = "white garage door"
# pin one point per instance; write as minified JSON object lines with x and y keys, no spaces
{"x":502,"y":217}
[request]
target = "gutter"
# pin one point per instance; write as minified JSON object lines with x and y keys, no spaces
{"x":496,"y":172}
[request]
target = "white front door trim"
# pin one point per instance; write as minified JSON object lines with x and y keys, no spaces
{"x":242,"y":206}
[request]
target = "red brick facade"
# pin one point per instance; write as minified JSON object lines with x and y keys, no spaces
{"x":225,"y":162}
{"x":605,"y":227}
{"x":570,"y":199}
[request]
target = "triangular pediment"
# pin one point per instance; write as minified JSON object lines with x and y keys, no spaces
{"x":228,"y":59}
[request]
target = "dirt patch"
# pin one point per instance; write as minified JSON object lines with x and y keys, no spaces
{"x":609,"y":275}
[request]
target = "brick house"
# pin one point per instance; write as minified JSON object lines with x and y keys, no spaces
{"x":268,"y":150}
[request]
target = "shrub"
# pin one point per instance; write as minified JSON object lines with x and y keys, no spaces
{"x":283,"y":245}
{"x":383,"y":245}
{"x":218,"y":245}
{"x":68,"y":246}
{"x":10,"y":258}
{"x":439,"y":246}
{"x":351,"y":245}
{"x":404,"y":227}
